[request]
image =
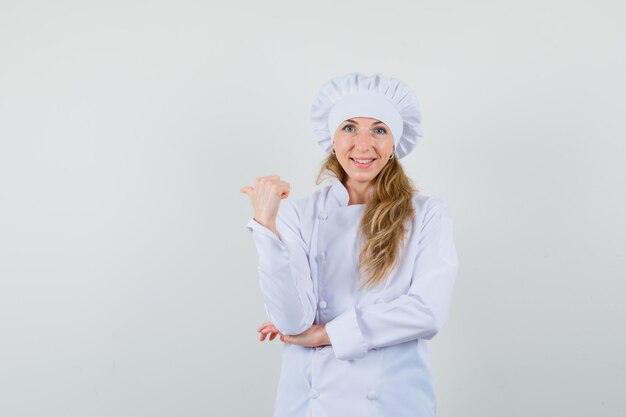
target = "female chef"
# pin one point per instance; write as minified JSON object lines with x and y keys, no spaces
{"x":358,"y":276}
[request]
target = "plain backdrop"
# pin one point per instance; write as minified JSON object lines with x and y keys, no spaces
{"x":128,"y":282}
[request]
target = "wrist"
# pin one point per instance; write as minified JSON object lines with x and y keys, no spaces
{"x":267,"y":224}
{"x":325,"y":340}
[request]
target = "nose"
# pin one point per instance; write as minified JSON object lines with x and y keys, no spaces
{"x":363,"y":139}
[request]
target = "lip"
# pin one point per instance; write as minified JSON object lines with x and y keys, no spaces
{"x":368,"y":157}
{"x":362,"y":166}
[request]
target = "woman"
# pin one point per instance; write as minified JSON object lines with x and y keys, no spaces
{"x":359,"y":275}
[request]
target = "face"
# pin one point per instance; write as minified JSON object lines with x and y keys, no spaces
{"x":353,"y":142}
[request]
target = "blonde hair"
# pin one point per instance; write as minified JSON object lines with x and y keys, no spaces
{"x":382,"y":225}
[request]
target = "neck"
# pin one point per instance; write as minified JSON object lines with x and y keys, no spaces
{"x":358,"y":191}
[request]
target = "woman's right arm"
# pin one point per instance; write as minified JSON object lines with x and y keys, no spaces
{"x":284,"y":273}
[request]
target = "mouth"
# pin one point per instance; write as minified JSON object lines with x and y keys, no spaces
{"x":363,"y":163}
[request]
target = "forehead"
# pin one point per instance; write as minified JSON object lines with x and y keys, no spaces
{"x":363,"y":120}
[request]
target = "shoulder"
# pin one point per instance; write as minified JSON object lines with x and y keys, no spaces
{"x":427,"y":207}
{"x":292,"y":210}
{"x":302,"y":203}
{"x":428,"y":202}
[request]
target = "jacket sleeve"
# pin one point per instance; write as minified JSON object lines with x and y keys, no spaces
{"x":418,"y":314}
{"x":284,"y":272}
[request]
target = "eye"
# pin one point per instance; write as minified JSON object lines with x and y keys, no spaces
{"x":348,"y":127}
{"x":380,"y":130}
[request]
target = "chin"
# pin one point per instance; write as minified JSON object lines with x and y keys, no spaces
{"x":361,"y":176}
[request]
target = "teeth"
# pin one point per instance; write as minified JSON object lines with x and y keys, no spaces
{"x":364,"y":161}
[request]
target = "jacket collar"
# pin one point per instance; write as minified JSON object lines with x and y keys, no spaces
{"x":337,"y":195}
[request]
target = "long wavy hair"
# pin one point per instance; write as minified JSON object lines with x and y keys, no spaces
{"x":382,"y":228}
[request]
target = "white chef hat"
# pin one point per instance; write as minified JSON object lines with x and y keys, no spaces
{"x":386,"y":99}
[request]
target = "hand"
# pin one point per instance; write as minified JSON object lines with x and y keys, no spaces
{"x":265,"y":196}
{"x":312,"y":337}
{"x":266,"y":329}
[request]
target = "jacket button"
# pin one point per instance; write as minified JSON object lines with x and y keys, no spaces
{"x":314,"y":394}
{"x":322,"y":256}
{"x":323,"y":215}
{"x":323,"y":304}
{"x":372,"y":395}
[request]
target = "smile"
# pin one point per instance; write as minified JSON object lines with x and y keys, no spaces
{"x":363,"y":163}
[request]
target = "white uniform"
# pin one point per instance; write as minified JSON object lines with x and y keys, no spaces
{"x":377,"y":363}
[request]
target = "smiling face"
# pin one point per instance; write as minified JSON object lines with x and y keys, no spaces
{"x":363,"y":154}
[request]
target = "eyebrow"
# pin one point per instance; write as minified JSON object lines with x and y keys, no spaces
{"x":350,"y":120}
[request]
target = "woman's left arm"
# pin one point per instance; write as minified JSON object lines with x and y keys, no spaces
{"x":422,"y":311}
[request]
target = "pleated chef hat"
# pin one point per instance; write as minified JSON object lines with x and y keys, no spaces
{"x":386,"y":99}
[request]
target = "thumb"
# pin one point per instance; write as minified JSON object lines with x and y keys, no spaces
{"x":247,"y":190}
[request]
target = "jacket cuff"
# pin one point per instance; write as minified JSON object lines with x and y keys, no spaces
{"x":273,"y":253}
{"x":346,"y":337}
{"x":257,"y":227}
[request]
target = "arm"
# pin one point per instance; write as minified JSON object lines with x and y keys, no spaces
{"x":284,"y":273}
{"x":418,"y":314}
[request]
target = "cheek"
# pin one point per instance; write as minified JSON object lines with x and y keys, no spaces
{"x":385,"y":148}
{"x":343,"y":145}
{"x":388,"y":148}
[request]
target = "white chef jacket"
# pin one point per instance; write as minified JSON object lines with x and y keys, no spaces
{"x":377,"y":363}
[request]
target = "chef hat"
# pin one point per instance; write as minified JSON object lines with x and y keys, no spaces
{"x":386,"y":99}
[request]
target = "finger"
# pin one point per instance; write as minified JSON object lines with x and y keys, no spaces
{"x":268,"y":332}
{"x":272,"y":181}
{"x":286,"y":189}
{"x":274,"y":185}
{"x":247,"y":190}
{"x":267,"y":323}
{"x":268,"y":178}
{"x":270,"y":326}
{"x":283,"y":188}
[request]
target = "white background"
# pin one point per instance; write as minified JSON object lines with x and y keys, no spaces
{"x":128,"y":283}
